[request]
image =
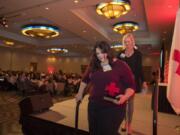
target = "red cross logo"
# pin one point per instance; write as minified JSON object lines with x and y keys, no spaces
{"x":177,"y":59}
{"x":112,"y":89}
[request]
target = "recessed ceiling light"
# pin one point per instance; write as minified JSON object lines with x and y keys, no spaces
{"x":47,"y":8}
{"x":76,"y":1}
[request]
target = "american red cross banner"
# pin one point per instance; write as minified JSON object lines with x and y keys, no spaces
{"x":173,"y":89}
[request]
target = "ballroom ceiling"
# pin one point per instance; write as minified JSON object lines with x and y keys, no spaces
{"x":81,"y":27}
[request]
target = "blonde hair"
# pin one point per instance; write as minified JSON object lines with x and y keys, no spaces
{"x":128,"y":35}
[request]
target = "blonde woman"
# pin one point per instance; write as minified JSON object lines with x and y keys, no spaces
{"x":133,"y":58}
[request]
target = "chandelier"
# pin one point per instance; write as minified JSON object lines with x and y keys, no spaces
{"x":118,"y":47}
{"x":57,"y":50}
{"x":40,"y":30}
{"x":125,"y":27}
{"x":113,"y":9}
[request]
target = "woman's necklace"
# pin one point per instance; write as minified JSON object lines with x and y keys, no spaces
{"x":106,"y":66}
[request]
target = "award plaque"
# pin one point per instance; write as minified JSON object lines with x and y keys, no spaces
{"x":111,"y":99}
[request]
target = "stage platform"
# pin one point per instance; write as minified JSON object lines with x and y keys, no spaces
{"x":63,"y":114}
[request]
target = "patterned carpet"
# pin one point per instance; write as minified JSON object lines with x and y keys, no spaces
{"x":9,"y":112}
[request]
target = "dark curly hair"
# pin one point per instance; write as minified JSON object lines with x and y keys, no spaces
{"x":95,"y":64}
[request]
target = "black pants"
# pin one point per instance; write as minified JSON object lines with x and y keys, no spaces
{"x":104,"y":120}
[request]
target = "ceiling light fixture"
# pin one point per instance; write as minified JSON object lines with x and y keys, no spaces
{"x":9,"y":43}
{"x":57,"y":50}
{"x":125,"y":27}
{"x":118,"y":47}
{"x":113,"y":9}
{"x":40,"y":30}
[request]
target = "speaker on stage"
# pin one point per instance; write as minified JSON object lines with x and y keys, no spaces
{"x":35,"y":104}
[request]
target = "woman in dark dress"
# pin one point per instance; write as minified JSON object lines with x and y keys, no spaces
{"x":133,"y":58}
{"x":112,"y":78}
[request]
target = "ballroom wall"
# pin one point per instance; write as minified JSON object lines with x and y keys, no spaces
{"x":20,"y":60}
